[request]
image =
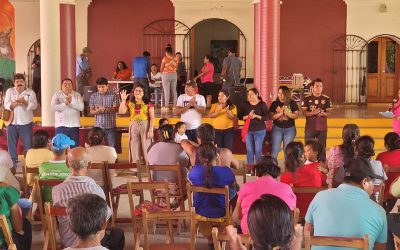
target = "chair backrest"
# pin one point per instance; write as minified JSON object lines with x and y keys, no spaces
{"x":25,"y":172}
{"x":380,"y":189}
{"x":169,"y":215}
{"x":304,"y":197}
{"x":296,"y":214}
{"x":359,"y":243}
{"x":220,"y":240}
{"x":392,"y":173}
{"x":242,"y":171}
{"x":172,"y":168}
{"x":223,"y":191}
{"x":101,"y":167}
{"x":50,"y":235}
{"x":6,"y":232}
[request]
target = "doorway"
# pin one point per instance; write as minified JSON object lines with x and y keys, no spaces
{"x":383,"y":70}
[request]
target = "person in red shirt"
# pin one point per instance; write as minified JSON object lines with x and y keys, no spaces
{"x":392,"y":156}
{"x":299,"y":175}
{"x":122,"y":72}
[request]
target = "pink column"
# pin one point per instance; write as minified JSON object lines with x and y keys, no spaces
{"x":257,"y":30}
{"x":269,"y":48}
{"x":68,"y":46}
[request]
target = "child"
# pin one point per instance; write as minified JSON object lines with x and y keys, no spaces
{"x":155,"y":82}
{"x":180,"y":129}
{"x":163,"y":121}
{"x":312,"y":152}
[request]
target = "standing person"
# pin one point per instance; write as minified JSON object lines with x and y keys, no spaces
{"x":191,"y":106}
{"x":104,"y":106}
{"x":396,"y":115}
{"x":83,"y":70}
{"x":22,"y":101}
{"x":141,"y":126}
{"x":231,"y":67}
{"x":225,"y":114}
{"x":283,"y":112}
{"x":36,"y":74}
{"x":181,"y":74}
{"x":67,"y":105}
{"x":122,"y":72}
{"x":206,"y":75}
{"x":141,"y":71}
{"x":256,"y":110}
{"x":169,"y":65}
{"x":316,"y":107}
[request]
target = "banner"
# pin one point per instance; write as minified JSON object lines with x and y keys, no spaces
{"x":7,"y":41}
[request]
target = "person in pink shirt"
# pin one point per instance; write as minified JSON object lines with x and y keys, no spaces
{"x":396,"y":113}
{"x":267,"y":170}
{"x":207,"y":88}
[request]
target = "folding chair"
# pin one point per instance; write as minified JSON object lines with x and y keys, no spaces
{"x":304,"y":197}
{"x":50,"y":235}
{"x":7,"y":233}
{"x":220,"y":240}
{"x":169,"y":215}
{"x":101,"y":167}
{"x":136,"y":189}
{"x":25,"y":172}
{"x":359,"y":243}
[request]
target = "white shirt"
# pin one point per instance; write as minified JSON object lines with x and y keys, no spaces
{"x":5,"y":159}
{"x":67,"y":115}
{"x":157,"y":80}
{"x":192,"y":118}
{"x":23,"y":114}
{"x":179,"y":138}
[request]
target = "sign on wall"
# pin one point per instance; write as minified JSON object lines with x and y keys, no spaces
{"x":7,"y":40}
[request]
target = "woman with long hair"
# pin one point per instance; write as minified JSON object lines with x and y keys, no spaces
{"x":256,"y":110}
{"x":225,"y":114}
{"x":283,"y":112}
{"x":122,"y":72}
{"x":169,"y":65}
{"x":141,"y":126}
{"x":392,"y":155}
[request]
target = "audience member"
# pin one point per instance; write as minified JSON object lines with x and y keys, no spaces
{"x":156,"y":84}
{"x":297,"y":174}
{"x":338,"y":155}
{"x":122,"y":72}
{"x":316,"y":107}
{"x":141,"y":123}
{"x":163,"y":121}
{"x":225,"y":116}
{"x":87,"y":214}
{"x":396,"y":114}
{"x":36,"y":73}
{"x":207,"y":88}
{"x":141,"y":71}
{"x":254,"y":112}
{"x":76,"y":184}
{"x":283,"y":112}
{"x":336,"y":211}
{"x":393,"y":219}
{"x":180,"y":132}
{"x":191,"y":106}
{"x":169,"y":65}
{"x":181,"y":74}
{"x":83,"y":70}
{"x":22,"y":102}
{"x":267,"y":172}
{"x":104,"y":105}
{"x":313,"y":152}
{"x":206,"y":133}
{"x":392,"y":155}
{"x":270,"y":226}
{"x":5,"y":160}
{"x":67,"y":105}
{"x":231,"y":67}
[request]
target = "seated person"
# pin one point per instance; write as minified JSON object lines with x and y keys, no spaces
{"x":392,"y":155}
{"x":155,"y":84}
{"x":38,"y":154}
{"x":179,"y":132}
{"x":77,"y":183}
{"x":19,"y":226}
{"x":87,"y":214}
{"x":210,"y":207}
{"x":56,"y":169}
{"x":267,"y":171}
{"x":297,"y":174}
{"x":5,"y":160}
{"x":163,"y":121}
{"x":348,"y":211}
{"x":393,"y":219}
{"x":122,"y":72}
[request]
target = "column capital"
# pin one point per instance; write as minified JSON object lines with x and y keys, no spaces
{"x":72,"y":2}
{"x":83,"y":2}
{"x":16,"y":2}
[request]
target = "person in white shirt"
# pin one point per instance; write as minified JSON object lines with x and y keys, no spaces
{"x":180,"y":130}
{"x":156,"y":84}
{"x":22,"y":101}
{"x":5,"y":160}
{"x":67,"y":105}
{"x":191,"y":106}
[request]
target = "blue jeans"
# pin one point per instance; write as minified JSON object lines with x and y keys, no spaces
{"x":224,"y":138}
{"x":157,"y":92}
{"x":110,"y":136}
{"x":15,"y":131}
{"x":192,"y":134}
{"x":72,"y":133}
{"x":281,"y":134}
{"x":254,"y":144}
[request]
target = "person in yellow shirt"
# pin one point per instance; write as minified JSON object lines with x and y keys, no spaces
{"x":225,"y":114}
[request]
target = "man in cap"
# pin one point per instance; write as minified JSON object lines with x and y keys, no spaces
{"x":348,"y":210}
{"x":83,"y":70}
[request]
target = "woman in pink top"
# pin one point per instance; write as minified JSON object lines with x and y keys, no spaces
{"x":267,"y":170}
{"x":207,"y":88}
{"x":396,"y":113}
{"x":169,"y":78}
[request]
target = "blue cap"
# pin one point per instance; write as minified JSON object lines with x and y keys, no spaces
{"x":61,"y":142}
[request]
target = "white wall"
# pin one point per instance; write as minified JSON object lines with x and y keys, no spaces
{"x":238,"y":12}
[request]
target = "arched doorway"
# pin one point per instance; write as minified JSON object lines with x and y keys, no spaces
{"x":383,"y":68}
{"x":29,"y":57}
{"x":214,"y":36}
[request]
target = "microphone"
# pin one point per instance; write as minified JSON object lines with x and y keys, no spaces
{"x":391,"y":106}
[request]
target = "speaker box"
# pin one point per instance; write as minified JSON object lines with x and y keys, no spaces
{"x":238,"y":95}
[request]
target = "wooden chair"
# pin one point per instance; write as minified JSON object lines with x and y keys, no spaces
{"x":242,"y":171}
{"x":25,"y":172}
{"x":220,"y":240}
{"x":359,"y":243}
{"x":170,"y":215}
{"x":380,"y":189}
{"x":115,"y":194}
{"x":396,"y":240}
{"x":137,"y":189}
{"x":250,"y":167}
{"x":51,"y":213}
{"x":227,"y":219}
{"x":296,"y":214}
{"x":304,"y":197}
{"x":7,"y":233}
{"x":392,"y":173}
{"x":101,"y":167}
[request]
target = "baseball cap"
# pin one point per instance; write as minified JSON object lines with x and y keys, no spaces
{"x":191,"y":83}
{"x":86,"y":50}
{"x":61,"y":142}
{"x":359,"y":168}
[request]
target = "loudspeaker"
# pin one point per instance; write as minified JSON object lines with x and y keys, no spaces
{"x":237,"y":95}
{"x":88,"y":91}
